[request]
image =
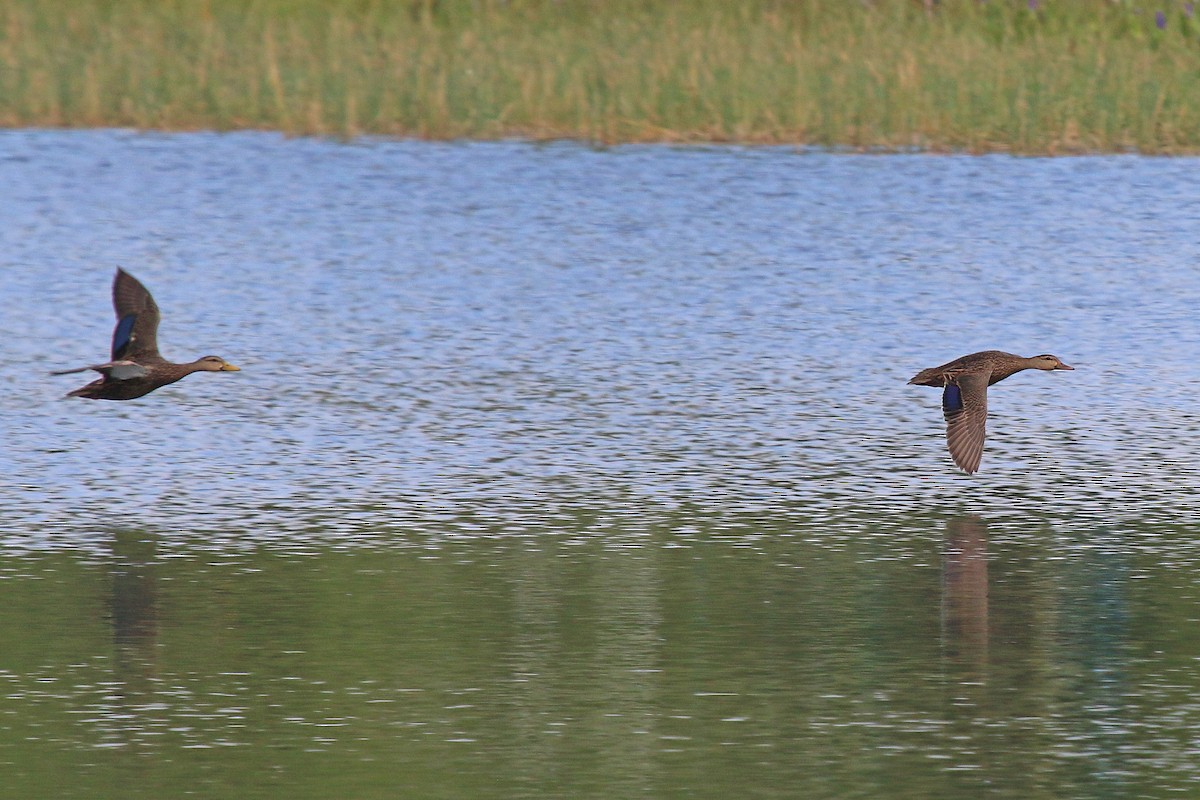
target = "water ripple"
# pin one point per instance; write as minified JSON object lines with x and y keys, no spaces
{"x":436,"y":336}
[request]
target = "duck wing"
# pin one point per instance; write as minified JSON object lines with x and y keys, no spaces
{"x":114,"y":370}
{"x":135,"y":338}
{"x":964,"y":404}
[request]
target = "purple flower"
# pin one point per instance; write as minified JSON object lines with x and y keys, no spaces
{"x":1188,"y":8}
{"x":1033,"y":5}
{"x":1160,"y":19}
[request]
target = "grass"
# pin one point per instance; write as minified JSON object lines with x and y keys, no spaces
{"x":974,"y":75}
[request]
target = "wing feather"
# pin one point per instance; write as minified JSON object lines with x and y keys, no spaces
{"x":964,"y":404}
{"x":136,"y":334}
{"x":116,"y":370}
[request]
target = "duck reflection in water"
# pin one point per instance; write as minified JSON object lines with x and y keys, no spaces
{"x":965,"y":591}
{"x":133,"y":611}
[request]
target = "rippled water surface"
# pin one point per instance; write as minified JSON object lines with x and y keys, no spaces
{"x":558,"y":472}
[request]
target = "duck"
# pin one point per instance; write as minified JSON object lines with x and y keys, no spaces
{"x":964,"y":401}
{"x":137,"y":368}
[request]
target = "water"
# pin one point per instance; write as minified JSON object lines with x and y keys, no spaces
{"x":562,"y":472}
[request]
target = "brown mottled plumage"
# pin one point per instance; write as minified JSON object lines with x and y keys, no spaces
{"x":137,"y":368}
{"x":964,"y":403}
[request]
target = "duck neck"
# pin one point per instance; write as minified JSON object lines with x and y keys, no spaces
{"x":1011,"y":368}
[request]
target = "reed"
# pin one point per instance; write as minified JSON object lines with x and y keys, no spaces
{"x":976,"y":75}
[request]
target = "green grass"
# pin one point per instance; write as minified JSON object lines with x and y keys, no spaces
{"x":1070,"y":76}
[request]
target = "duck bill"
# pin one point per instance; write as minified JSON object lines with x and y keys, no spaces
{"x":232,"y":368}
{"x":1064,"y":366}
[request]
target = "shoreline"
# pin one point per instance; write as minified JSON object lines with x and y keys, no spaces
{"x":698,"y":144}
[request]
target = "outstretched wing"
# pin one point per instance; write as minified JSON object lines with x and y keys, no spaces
{"x":964,"y":404}
{"x":116,"y":370}
{"x":136,"y":335}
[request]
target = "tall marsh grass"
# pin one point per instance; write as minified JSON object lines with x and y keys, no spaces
{"x":977,"y":75}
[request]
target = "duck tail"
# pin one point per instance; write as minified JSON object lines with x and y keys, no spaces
{"x":87,"y":390}
{"x":928,"y":377}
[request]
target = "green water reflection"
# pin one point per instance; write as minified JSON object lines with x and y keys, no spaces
{"x":772,"y":661}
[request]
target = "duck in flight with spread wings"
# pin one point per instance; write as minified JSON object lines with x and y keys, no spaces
{"x":137,"y":368}
{"x":964,"y":401}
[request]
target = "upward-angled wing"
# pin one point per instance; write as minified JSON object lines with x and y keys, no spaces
{"x":964,"y":403}
{"x":136,"y":335}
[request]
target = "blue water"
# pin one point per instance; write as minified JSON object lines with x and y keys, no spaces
{"x":431,"y":327}
{"x":444,"y":344}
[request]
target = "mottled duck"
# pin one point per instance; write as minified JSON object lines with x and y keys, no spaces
{"x":136,"y":368}
{"x":964,"y":401}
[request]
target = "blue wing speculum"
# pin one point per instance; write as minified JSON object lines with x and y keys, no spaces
{"x":952,"y":398}
{"x":123,"y":336}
